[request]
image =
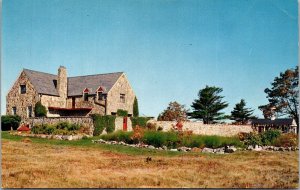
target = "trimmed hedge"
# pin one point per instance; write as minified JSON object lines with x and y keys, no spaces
{"x":40,"y":110}
{"x":140,"y":121}
{"x":10,"y":121}
{"x":103,"y":122}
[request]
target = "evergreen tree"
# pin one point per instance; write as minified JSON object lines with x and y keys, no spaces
{"x":135,"y":108}
{"x":240,"y":113}
{"x":40,"y":110}
{"x":208,"y":105}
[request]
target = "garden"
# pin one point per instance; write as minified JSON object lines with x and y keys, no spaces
{"x":177,"y":139}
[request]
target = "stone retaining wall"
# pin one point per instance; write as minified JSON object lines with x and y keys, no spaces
{"x":84,"y":121}
{"x":205,"y":129}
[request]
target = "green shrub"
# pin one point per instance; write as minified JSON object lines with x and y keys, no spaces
{"x":268,"y":137}
{"x":212,"y":141}
{"x":252,"y":139}
{"x":10,"y":121}
{"x":174,"y":139}
{"x":40,"y":129}
{"x":63,"y":125}
{"x":122,"y":113}
{"x":118,"y":136}
{"x":287,"y":140}
{"x":103,"y":122}
{"x":62,"y":132}
{"x":158,"y":139}
{"x":40,"y":110}
{"x":140,"y":121}
{"x":49,"y":129}
{"x":74,"y":127}
{"x":110,"y":123}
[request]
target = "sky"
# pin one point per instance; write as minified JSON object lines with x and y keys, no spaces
{"x":169,"y":49}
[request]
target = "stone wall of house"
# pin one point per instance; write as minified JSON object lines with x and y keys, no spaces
{"x":98,"y":107}
{"x":205,"y":129}
{"x":53,"y":101}
{"x":14,"y":97}
{"x":84,"y":121}
{"x":114,"y":103}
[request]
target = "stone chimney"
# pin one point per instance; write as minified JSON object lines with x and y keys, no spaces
{"x":62,"y":82}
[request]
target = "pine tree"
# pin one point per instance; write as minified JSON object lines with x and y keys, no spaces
{"x":208,"y":105}
{"x":240,"y":113}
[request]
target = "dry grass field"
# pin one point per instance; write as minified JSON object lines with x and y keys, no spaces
{"x":29,"y":164}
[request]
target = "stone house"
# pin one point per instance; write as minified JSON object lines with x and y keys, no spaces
{"x":70,"y":96}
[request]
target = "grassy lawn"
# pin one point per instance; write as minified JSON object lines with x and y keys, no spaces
{"x":83,"y":164}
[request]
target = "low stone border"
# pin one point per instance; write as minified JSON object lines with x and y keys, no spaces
{"x":223,"y":150}
{"x":271,"y":148}
{"x":58,"y":137}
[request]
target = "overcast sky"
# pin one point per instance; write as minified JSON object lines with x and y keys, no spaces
{"x":169,"y":49}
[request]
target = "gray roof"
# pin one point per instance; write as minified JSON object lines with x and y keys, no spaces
{"x":43,"y":82}
{"x":76,"y":85}
{"x":275,"y":122}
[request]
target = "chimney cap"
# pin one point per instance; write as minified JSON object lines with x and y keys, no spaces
{"x":62,"y":67}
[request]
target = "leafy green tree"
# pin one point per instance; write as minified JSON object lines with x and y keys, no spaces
{"x":40,"y":110}
{"x":283,"y":96}
{"x":135,"y":108}
{"x":9,"y":122}
{"x":174,"y":112}
{"x":208,"y":105}
{"x":240,"y":113}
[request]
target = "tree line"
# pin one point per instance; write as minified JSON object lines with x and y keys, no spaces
{"x":283,"y":98}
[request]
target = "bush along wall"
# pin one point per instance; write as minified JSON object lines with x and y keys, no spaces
{"x":106,"y":122}
{"x":122,"y":113}
{"x":140,"y":121}
{"x":61,"y":128}
{"x":9,"y":122}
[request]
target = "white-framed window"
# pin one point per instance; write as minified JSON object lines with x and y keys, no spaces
{"x":29,"y":111}
{"x":122,"y":98}
{"x":14,"y":110}
{"x":23,"y":88}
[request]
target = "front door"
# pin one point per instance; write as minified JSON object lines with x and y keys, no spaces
{"x":124,"y":123}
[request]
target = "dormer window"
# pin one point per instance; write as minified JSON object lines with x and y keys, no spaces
{"x":85,"y":94}
{"x":100,"y":94}
{"x":23,"y":89}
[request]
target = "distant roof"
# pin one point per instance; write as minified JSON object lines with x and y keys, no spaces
{"x":275,"y":122}
{"x":92,"y":82}
{"x":43,"y":82}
